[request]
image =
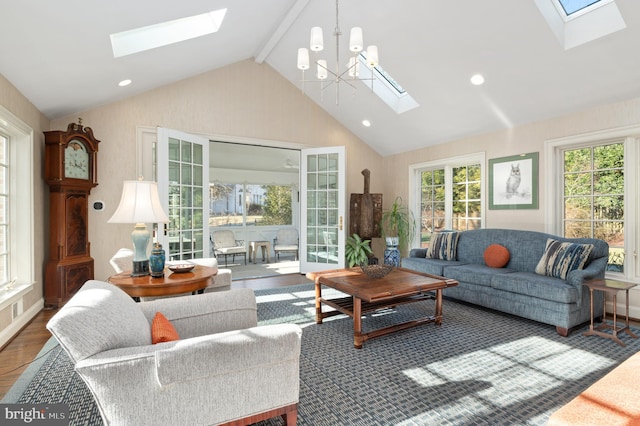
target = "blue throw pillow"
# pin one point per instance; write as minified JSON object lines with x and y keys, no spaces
{"x":443,"y":245}
{"x":561,"y":258}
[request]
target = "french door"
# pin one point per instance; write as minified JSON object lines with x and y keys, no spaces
{"x":322,"y":209}
{"x":183,"y":185}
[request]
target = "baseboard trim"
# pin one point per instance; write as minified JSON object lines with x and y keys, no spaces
{"x":19,"y":323}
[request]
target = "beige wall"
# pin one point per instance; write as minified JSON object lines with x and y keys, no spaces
{"x":245,"y":100}
{"x":518,"y":140}
{"x":12,"y":100}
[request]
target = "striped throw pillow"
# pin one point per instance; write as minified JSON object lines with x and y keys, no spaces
{"x":561,"y":258}
{"x":443,"y":245}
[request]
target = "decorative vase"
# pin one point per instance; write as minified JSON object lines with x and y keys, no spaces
{"x":156,"y":261}
{"x":391,"y":253}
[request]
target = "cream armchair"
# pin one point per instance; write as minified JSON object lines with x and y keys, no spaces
{"x":223,"y":369}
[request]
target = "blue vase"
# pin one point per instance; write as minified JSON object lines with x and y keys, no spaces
{"x":156,"y":261}
{"x":392,"y":256}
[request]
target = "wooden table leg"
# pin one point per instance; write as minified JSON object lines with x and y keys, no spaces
{"x":438,"y":306}
{"x":318,"y":303}
{"x":357,"y":323}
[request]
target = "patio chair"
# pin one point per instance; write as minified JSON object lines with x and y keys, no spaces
{"x":286,"y":240}
{"x":225,"y":244}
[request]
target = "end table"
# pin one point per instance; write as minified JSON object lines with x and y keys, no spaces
{"x":611,"y":287}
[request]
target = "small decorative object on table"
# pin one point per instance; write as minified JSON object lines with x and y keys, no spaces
{"x":156,"y":261}
{"x":376,"y":271}
{"x":182,"y":268}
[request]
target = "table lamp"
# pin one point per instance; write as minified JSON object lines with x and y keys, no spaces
{"x":139,"y":204}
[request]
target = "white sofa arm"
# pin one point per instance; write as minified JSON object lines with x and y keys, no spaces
{"x":228,"y":353}
{"x":206,"y":313}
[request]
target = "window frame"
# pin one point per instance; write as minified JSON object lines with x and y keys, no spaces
{"x":554,"y":185}
{"x":415,"y":186}
{"x":20,"y":159}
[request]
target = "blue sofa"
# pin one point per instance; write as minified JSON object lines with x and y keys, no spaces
{"x":516,"y":288}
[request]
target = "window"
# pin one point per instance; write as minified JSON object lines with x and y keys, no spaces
{"x":450,"y":195}
{"x":5,"y":231}
{"x":572,"y":6}
{"x":591,"y":186}
{"x":593,"y":194}
{"x":16,"y":208}
{"x":236,"y":204}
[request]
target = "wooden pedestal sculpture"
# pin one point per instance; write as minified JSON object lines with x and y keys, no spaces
{"x":365,"y":212}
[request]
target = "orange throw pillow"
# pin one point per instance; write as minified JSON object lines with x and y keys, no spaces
{"x":162,"y":330}
{"x":496,"y":256}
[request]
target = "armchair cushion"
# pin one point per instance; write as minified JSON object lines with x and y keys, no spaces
{"x":162,"y":330}
{"x":265,"y":346}
{"x":110,"y":319}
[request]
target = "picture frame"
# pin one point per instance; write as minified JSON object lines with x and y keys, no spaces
{"x":513,"y":182}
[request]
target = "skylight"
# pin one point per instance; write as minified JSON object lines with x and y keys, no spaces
{"x":575,"y":22}
{"x":165,"y":33}
{"x":385,"y":86}
{"x":572,"y":6}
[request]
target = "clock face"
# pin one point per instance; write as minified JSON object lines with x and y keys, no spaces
{"x":76,"y":160}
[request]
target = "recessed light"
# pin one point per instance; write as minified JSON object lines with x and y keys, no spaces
{"x":366,"y":123}
{"x":477,"y":80}
{"x":124,"y":83}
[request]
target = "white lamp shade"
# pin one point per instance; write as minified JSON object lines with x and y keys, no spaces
{"x":303,"y":58}
{"x":140,"y":203}
{"x":354,"y":67}
{"x":316,"y":43}
{"x":372,"y":56}
{"x":322,"y":69}
{"x":355,"y":40}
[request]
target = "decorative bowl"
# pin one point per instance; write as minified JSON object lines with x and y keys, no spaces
{"x":181,"y":268}
{"x":376,"y":271}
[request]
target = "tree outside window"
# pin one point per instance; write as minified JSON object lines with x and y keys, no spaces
{"x":237,"y":204}
{"x":594,"y":197}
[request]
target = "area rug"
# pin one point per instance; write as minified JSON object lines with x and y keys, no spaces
{"x":480,"y":367}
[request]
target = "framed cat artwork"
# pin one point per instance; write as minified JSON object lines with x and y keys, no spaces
{"x":513,"y":182}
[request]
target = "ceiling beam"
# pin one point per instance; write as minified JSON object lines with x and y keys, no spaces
{"x":284,"y":26}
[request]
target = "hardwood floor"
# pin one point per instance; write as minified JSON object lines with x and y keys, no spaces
{"x":19,"y":352}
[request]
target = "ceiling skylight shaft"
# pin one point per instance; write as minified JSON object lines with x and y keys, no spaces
{"x":165,"y":33}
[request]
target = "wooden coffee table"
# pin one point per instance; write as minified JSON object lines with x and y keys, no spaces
{"x":370,"y":294}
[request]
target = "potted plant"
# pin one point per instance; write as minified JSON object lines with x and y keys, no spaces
{"x":357,"y":250}
{"x":398,"y":225}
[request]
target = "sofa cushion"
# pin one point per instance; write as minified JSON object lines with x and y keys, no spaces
{"x":496,"y":256}
{"x":162,"y":330}
{"x":560,"y":258}
{"x":428,"y":266}
{"x":539,"y":286}
{"x":476,"y":274}
{"x":443,"y":245}
{"x":98,"y":318}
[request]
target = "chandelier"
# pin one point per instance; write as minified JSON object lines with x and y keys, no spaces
{"x":327,"y":77}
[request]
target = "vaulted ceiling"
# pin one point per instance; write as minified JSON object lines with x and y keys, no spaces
{"x":58,"y":54}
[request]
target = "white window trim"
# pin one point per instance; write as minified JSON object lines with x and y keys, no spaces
{"x":553,"y":184}
{"x":22,"y":264}
{"x":415,"y":186}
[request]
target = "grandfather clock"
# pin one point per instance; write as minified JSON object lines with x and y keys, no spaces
{"x":70,"y":170}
